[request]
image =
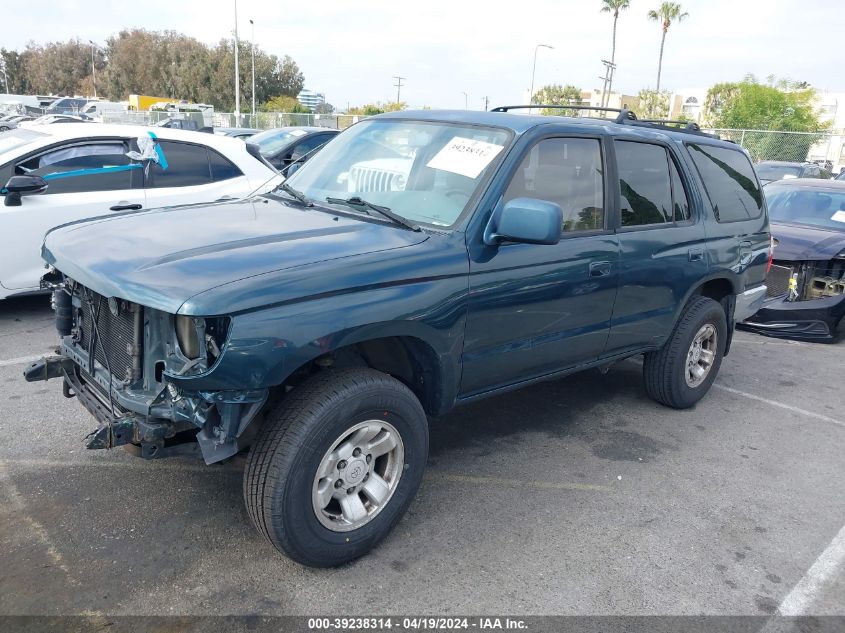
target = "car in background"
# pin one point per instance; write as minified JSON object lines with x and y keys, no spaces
{"x":772,"y":170}
{"x":67,"y":105}
{"x":12,"y":121}
{"x":841,"y":175}
{"x":177,"y":123}
{"x":88,"y":170}
{"x":806,"y":282}
{"x":285,"y":145}
{"x":50,"y":119}
{"x":242,"y":133}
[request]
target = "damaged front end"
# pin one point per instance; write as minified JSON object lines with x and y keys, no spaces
{"x":806,"y":300}
{"x":123,"y":362}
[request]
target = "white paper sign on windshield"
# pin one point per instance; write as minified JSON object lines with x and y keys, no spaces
{"x":465,"y":156}
{"x":839,"y":216}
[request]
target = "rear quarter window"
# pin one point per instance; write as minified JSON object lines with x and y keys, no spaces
{"x":729,"y":180}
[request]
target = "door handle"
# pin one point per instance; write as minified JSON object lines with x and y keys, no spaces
{"x":600,"y":269}
{"x":695,"y":254}
{"x":126,"y":207}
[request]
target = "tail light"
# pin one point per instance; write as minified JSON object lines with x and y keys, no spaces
{"x":771,"y":253}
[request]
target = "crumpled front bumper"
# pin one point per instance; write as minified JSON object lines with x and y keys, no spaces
{"x":812,"y":320}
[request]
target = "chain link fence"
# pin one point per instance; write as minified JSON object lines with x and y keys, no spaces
{"x":261,"y":120}
{"x":825,"y":148}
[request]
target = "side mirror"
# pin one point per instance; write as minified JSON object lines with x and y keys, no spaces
{"x":525,"y":220}
{"x":23,"y":186}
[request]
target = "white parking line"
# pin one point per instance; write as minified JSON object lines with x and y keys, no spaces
{"x":23,"y":360}
{"x":824,"y":570}
{"x":780,"y":405}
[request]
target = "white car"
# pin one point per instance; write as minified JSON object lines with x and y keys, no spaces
{"x":92,"y":169}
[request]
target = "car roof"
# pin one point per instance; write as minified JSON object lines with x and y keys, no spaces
{"x":784,"y":163}
{"x":809,"y":183}
{"x":521,"y":123}
{"x":61,"y":132}
{"x":304,"y":128}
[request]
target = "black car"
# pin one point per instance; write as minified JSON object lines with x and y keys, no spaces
{"x":237,"y":132}
{"x":284,"y":145}
{"x":806,"y":283}
{"x":771,"y":170}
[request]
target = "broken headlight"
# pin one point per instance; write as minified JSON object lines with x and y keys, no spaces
{"x":186,"y":334}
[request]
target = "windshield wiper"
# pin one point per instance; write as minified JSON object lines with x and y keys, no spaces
{"x":295,"y":193}
{"x":366,"y":206}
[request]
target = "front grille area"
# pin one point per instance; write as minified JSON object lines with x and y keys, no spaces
{"x":777,"y":281}
{"x":119,"y":335}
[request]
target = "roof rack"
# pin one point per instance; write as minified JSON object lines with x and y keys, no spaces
{"x":625,"y":116}
{"x":624,"y":113}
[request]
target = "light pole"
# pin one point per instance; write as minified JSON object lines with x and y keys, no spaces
{"x":466,"y":107}
{"x":5,"y":77}
{"x":252,"y":24}
{"x":533,"y":71}
{"x":93,"y":70}
{"x":237,"y":73}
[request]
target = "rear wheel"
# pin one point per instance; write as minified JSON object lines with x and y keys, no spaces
{"x":336,"y":466}
{"x":682,"y":371}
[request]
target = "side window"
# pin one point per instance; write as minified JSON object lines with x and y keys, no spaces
{"x":568,"y":172}
{"x":80,"y":168}
{"x":729,"y":180}
{"x":309,"y":144}
{"x":222,"y":168}
{"x":187,"y":166}
{"x":680,"y":199}
{"x":644,"y":183}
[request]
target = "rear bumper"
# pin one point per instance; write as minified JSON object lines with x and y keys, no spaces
{"x":813,"y":320}
{"x":749,"y":302}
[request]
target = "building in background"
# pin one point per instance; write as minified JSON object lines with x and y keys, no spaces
{"x":687,"y":104}
{"x":311,"y":99}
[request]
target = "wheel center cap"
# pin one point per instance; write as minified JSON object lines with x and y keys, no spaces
{"x":355,"y":471}
{"x":696,"y":354}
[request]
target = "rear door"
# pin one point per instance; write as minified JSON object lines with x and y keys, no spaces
{"x":192,"y":173}
{"x":662,"y":243}
{"x":86,"y":179}
{"x":738,"y":240}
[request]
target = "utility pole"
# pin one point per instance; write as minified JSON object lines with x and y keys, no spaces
{"x":486,"y":101}
{"x":398,"y":86}
{"x":252,"y":24}
{"x":609,"y":67}
{"x":93,"y":70}
{"x":237,"y":73}
{"x":466,"y":101}
{"x":534,"y":71}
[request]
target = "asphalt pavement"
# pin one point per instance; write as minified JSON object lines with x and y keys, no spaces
{"x":578,"y":496}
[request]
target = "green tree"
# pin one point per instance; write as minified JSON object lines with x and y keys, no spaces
{"x":283,"y":103}
{"x":653,"y":104}
{"x":667,"y":13}
{"x":14,"y":64}
{"x":782,"y":106}
{"x":556,"y":94}
{"x":378,"y":107}
{"x":614,"y":7}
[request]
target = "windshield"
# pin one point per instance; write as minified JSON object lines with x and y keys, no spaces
{"x":777,"y":172}
{"x":272,"y":141}
{"x":16,"y":138}
{"x":423,"y":171}
{"x":812,"y":207}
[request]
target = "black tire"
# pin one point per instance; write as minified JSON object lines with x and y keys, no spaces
{"x":283,"y":462}
{"x":664,"y":370}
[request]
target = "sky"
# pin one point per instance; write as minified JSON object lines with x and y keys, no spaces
{"x":444,"y":48}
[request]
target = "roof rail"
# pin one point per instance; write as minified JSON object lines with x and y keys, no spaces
{"x":624,"y":113}
{"x":688,"y":125}
{"x":624,"y":116}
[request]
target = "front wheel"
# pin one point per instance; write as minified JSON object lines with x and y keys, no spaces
{"x":336,"y":466}
{"x":681,"y":372}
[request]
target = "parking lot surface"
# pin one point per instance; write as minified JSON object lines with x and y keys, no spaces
{"x":578,"y":496}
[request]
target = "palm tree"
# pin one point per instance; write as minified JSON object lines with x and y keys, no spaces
{"x":614,"y":7}
{"x":667,"y":13}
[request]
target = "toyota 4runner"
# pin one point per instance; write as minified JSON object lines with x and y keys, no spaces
{"x":421,"y":261}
